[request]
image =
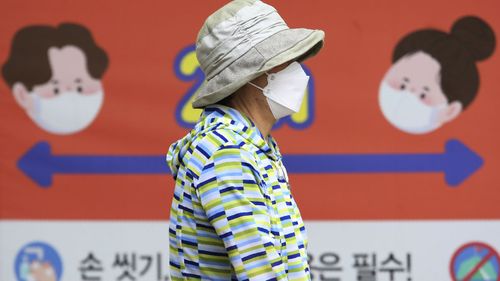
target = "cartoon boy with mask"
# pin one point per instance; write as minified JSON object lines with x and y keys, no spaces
{"x":434,"y":75}
{"x":55,"y":76}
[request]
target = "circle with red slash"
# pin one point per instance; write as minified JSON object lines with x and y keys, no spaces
{"x":481,"y":263}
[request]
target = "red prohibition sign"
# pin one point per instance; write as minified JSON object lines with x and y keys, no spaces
{"x":488,"y":254}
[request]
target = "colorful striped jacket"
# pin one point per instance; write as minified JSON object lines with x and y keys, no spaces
{"x":232,"y":216}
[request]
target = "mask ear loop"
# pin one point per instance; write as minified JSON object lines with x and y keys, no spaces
{"x":256,"y":86}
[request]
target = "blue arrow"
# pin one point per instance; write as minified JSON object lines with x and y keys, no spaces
{"x":458,"y":162}
{"x":39,"y":164}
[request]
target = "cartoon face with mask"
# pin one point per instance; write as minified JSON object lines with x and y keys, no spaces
{"x":411,"y":97}
{"x":55,"y":76}
{"x":434,"y":77}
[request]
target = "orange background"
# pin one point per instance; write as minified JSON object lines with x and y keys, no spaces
{"x":142,"y":40}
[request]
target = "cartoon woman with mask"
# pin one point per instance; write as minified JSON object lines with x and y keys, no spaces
{"x":55,"y":75}
{"x":434,"y":75}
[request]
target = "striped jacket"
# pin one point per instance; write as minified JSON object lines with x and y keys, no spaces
{"x":232,"y":216}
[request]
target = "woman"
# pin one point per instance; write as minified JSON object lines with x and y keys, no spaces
{"x":233,"y":216}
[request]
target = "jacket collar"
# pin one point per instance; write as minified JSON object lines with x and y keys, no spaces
{"x":218,"y":116}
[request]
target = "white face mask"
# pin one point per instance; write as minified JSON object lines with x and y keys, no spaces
{"x":66,"y":113}
{"x":285,"y":90}
{"x":406,"y":112}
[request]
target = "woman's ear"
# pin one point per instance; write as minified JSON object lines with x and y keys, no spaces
{"x":452,"y":111}
{"x":21,"y":95}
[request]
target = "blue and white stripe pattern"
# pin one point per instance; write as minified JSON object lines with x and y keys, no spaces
{"x":233,"y":216}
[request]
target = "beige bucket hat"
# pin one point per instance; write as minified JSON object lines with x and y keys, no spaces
{"x":241,"y":41}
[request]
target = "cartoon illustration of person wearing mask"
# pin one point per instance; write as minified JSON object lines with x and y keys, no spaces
{"x":434,"y":75}
{"x":55,"y":74}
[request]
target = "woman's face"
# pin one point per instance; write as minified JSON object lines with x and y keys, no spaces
{"x":411,"y":97}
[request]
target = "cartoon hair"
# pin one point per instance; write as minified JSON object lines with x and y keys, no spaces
{"x":28,"y":61}
{"x":471,"y":39}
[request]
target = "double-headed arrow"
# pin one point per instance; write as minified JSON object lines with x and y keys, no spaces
{"x":458,"y":162}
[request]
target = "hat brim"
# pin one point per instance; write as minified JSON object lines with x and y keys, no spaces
{"x":286,"y":45}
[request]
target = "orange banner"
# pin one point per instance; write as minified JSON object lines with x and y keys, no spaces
{"x":400,"y":119}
